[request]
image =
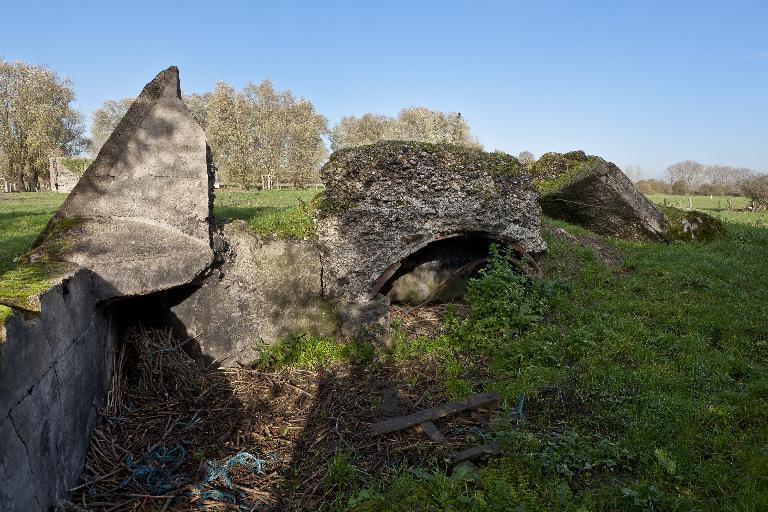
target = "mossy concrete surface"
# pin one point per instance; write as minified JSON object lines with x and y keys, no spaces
{"x":693,"y":226}
{"x":591,"y":192}
{"x":266,"y":289}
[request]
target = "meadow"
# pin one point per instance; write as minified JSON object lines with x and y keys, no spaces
{"x":634,"y":376}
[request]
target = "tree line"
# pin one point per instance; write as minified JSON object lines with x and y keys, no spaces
{"x":37,"y":121}
{"x":253,"y":131}
{"x":691,"y":177}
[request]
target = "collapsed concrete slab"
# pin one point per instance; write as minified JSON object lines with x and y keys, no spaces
{"x":593,"y":193}
{"x":265,"y":289}
{"x":144,"y":204}
{"x":386,"y":201}
{"x":138,"y":222}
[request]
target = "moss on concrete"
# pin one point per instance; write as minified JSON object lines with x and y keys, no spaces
{"x":451,"y":156}
{"x":324,"y":207}
{"x":705,"y":227}
{"x":55,"y":239}
{"x":5,"y":314}
{"x":20,"y":288}
{"x":553,"y":171}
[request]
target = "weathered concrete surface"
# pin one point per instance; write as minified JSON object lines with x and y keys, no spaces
{"x":62,"y":179}
{"x":144,"y":203}
{"x":385,"y":201}
{"x":266,"y":289}
{"x":593,"y":193}
{"x":55,"y":370}
{"x":137,"y":222}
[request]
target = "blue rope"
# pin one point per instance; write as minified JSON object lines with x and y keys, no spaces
{"x":158,"y":475}
{"x":215,"y":471}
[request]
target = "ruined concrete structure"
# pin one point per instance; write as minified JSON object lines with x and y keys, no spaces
{"x":397,"y":221}
{"x":62,"y":179}
{"x":136,"y":223}
{"x":385,"y":202}
{"x":591,"y":192}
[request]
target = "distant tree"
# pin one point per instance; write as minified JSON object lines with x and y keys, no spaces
{"x":229,"y":135}
{"x":526,"y":157}
{"x":633,"y":172}
{"x":688,"y":171}
{"x":105,"y":119}
{"x":756,"y":188}
{"x":37,"y":120}
{"x":198,"y":105}
{"x":353,"y":131}
{"x":653,"y":186}
{"x":411,"y":124}
{"x":260,"y":130}
{"x":680,"y":187}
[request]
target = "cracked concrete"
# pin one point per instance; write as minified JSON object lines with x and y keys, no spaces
{"x":138,"y":222}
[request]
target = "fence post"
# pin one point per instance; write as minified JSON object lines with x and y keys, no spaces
{"x":690,"y":204}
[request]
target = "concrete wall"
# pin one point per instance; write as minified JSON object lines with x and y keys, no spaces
{"x":55,"y":370}
{"x":263,"y":290}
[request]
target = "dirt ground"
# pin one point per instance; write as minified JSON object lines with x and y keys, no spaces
{"x":176,"y":437}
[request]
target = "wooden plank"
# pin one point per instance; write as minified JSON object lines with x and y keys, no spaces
{"x":441,"y":411}
{"x":432,"y":431}
{"x":476,"y":452}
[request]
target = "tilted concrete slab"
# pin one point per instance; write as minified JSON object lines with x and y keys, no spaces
{"x":137,"y":222}
{"x":594,"y":193}
{"x":140,"y":215}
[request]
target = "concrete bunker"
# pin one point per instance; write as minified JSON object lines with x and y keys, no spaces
{"x":385,"y":202}
{"x":439,"y":271}
{"x":136,"y":239}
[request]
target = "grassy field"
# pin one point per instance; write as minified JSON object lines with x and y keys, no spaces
{"x":700,"y":202}
{"x":23,"y":215}
{"x":634,"y":375}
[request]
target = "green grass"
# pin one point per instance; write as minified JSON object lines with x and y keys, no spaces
{"x":282,"y":213}
{"x":657,"y":374}
{"x":22,"y":217}
{"x":699,"y":202}
{"x":660,"y":377}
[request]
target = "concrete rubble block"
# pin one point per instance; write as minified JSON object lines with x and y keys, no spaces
{"x":590,"y":192}
{"x":140,"y":215}
{"x":385,"y":201}
{"x":138,"y":222}
{"x":266,"y":289}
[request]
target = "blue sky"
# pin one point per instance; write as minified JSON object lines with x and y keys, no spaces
{"x":639,"y":83}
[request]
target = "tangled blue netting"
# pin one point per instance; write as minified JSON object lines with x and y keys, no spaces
{"x":158,"y":475}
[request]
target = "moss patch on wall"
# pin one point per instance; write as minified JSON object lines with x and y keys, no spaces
{"x":75,"y":165}
{"x":451,"y":156}
{"x":553,"y":171}
{"x":20,"y":287}
{"x":692,"y":226}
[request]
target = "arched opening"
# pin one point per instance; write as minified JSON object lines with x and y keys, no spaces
{"x":439,"y":271}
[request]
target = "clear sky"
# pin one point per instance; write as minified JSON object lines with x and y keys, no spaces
{"x":641,"y":83}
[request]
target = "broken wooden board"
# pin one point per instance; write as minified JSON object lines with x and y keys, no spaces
{"x":476,"y":452}
{"x":478,"y":401}
{"x":432,"y":431}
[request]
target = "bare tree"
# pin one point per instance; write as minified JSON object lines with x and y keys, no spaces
{"x":411,"y":124}
{"x":633,"y":172}
{"x":689,"y":171}
{"x":526,"y":157}
{"x":37,"y":120}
